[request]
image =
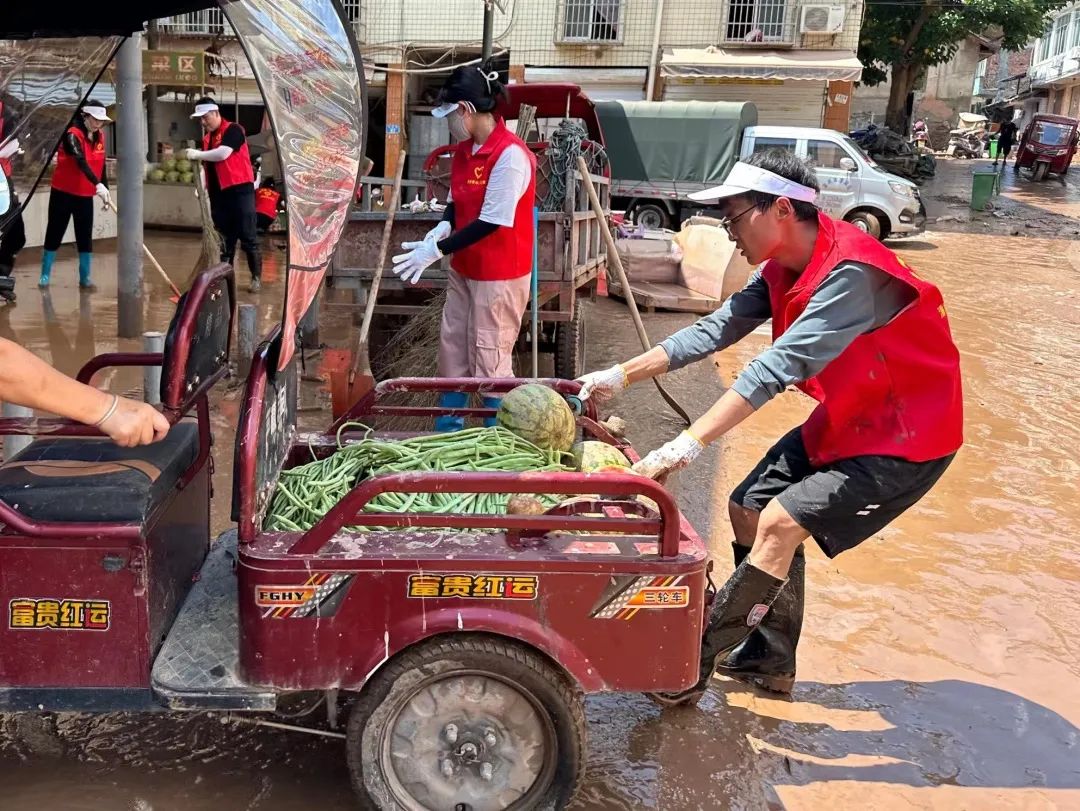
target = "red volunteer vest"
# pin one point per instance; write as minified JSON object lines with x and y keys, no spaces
{"x":507,"y":253}
{"x":235,"y":169}
{"x":894,"y":391}
{"x":266,"y":202}
{"x":5,"y":163}
{"x":68,"y":177}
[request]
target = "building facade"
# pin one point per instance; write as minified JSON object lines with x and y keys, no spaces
{"x":1055,"y":64}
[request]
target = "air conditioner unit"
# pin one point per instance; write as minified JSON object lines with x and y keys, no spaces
{"x":822,"y":20}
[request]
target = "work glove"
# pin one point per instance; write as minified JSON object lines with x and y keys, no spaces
{"x":193,"y":154}
{"x":603,"y":385}
{"x":102,"y":191}
{"x":675,"y":455}
{"x":409,"y":267}
{"x":439,"y":232}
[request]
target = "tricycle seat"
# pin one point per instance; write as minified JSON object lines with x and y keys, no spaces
{"x":91,"y":480}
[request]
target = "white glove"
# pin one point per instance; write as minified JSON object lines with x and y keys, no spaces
{"x":603,"y":385}
{"x":12,"y":146}
{"x":193,"y":154}
{"x":675,"y":455}
{"x":410,"y":266}
{"x":101,"y":191}
{"x":439,"y":232}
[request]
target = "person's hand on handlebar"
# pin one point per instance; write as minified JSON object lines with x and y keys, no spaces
{"x":129,"y":423}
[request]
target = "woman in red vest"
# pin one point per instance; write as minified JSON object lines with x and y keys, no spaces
{"x":267,"y":203}
{"x":858,"y":331}
{"x":78,"y":179}
{"x":488,"y":231}
{"x":230,"y":183}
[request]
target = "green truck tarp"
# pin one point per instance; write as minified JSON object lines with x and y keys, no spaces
{"x":683,"y":141}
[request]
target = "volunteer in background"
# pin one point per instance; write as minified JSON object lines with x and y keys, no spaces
{"x":856,"y":329}
{"x":13,"y":236}
{"x":78,"y":179}
{"x":267,"y":204}
{"x":488,"y":229}
{"x":1006,"y":141}
{"x":230,"y":182}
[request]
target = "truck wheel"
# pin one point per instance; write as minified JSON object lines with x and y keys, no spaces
{"x":867,"y":223}
{"x":651,"y":215}
{"x":467,"y":722}
{"x":570,"y":347}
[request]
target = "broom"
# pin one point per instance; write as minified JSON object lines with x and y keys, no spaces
{"x":210,"y":251}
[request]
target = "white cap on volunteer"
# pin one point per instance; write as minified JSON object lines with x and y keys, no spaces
{"x":94,"y":111}
{"x":743,"y":178}
{"x":203,"y":109}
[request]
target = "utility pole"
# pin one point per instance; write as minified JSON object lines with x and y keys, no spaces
{"x":131,"y":165}
{"x":153,"y":41}
{"x":489,"y":29}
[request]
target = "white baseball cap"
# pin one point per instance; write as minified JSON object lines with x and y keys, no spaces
{"x":203,"y":109}
{"x":744,"y":178}
{"x":94,"y":111}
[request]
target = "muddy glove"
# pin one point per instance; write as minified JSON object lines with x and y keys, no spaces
{"x":675,"y":455}
{"x":439,"y":232}
{"x":193,"y":154}
{"x":409,"y":267}
{"x":603,"y":385}
{"x":102,"y":191}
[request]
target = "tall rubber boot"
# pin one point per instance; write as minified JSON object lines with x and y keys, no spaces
{"x":451,"y":399}
{"x":491,"y":402}
{"x":766,"y":658}
{"x":85,"y":261}
{"x":742,"y":602}
{"x":254,"y":261}
{"x":47,"y":259}
{"x":7,"y":284}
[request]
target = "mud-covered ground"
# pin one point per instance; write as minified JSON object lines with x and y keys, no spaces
{"x":939,"y":664}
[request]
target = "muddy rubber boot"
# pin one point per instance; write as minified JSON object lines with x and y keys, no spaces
{"x":254,"y":262}
{"x":766,"y":658}
{"x":742,"y":602}
{"x":491,"y":402}
{"x":7,"y":284}
{"x":47,"y":259}
{"x":85,"y":261}
{"x":451,"y":399}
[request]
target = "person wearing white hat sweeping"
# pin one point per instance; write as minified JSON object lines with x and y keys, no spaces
{"x":78,"y":179}
{"x":488,"y":232}
{"x":858,"y":331}
{"x":230,"y":184}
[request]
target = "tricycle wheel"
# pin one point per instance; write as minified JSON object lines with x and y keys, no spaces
{"x":570,"y":347}
{"x":1041,"y":168}
{"x":467,"y":722}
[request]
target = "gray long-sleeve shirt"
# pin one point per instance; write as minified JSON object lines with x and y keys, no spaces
{"x":852,"y":299}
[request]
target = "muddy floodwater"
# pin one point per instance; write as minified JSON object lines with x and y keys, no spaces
{"x":940,"y":661}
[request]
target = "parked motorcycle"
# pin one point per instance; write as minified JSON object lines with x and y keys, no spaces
{"x":964,"y":143}
{"x":920,"y":137}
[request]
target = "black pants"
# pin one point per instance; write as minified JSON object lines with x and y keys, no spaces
{"x":1003,"y":152}
{"x":62,"y":208}
{"x":13,"y":239}
{"x":234,"y":217}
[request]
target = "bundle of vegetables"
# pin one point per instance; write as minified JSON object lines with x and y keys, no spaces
{"x":307,"y":492}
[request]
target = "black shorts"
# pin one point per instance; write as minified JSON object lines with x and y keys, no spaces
{"x":840,"y":504}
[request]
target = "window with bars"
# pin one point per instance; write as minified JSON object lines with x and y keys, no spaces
{"x":766,"y":21}
{"x":591,"y":21}
{"x":208,"y":22}
{"x":1061,"y":25}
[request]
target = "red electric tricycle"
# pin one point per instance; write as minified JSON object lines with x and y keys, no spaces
{"x":1047,"y":146}
{"x":451,"y":652}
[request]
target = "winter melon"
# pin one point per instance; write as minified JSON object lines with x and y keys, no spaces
{"x":539,"y":415}
{"x":592,"y":456}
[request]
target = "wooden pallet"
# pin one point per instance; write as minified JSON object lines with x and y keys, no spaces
{"x":653,"y":296}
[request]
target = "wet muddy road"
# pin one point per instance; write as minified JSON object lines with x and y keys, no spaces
{"x":939,"y":664}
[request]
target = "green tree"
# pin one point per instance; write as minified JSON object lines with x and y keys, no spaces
{"x":900,"y":39}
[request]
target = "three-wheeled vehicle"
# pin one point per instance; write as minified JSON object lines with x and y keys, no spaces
{"x":570,"y":252}
{"x":1047,"y":146}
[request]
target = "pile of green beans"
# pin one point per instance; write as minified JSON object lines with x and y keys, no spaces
{"x":307,"y":492}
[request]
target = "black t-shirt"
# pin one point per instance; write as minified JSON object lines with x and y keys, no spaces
{"x":233,"y":137}
{"x":1007,"y":133}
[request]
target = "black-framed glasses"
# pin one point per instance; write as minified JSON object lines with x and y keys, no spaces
{"x":727,"y":222}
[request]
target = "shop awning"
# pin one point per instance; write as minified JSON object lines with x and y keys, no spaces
{"x":711,"y":62}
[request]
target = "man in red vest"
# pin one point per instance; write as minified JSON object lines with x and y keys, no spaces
{"x":267,"y":203}
{"x":858,"y":331}
{"x":230,"y":182}
{"x":488,"y":230}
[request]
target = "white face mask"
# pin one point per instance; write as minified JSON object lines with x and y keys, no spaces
{"x":456,"y":122}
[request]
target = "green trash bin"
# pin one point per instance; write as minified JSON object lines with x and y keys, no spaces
{"x":982,"y":189}
{"x":993,"y":148}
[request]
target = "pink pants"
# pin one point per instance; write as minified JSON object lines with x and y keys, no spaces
{"x":480,"y":325}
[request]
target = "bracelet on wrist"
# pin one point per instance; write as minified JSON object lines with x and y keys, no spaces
{"x":111,"y":410}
